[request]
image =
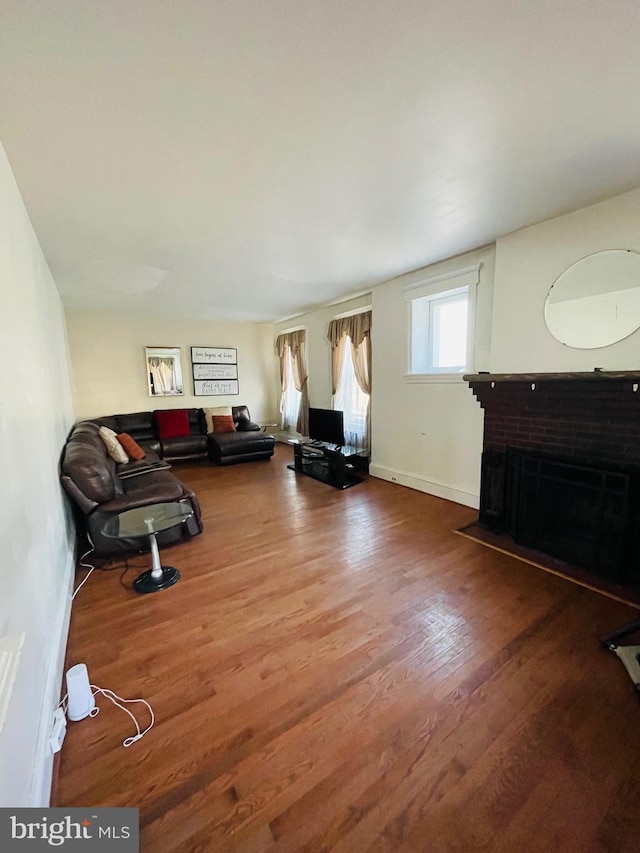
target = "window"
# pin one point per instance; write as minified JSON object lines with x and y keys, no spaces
{"x":352,"y":401}
{"x":441,"y":324}
{"x":294,"y":404}
{"x":290,"y":402}
{"x":439,"y":332}
{"x":350,"y":338}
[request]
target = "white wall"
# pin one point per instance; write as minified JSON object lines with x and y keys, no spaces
{"x":36,"y":541}
{"x":427,"y":435}
{"x":109,"y":371}
{"x":527,"y":264}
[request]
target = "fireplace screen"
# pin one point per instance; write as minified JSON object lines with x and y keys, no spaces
{"x":577,"y":513}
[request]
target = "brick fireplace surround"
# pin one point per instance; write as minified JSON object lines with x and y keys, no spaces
{"x":545,"y":430}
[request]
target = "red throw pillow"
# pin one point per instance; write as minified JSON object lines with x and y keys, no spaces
{"x":173,"y":423}
{"x":223,"y":423}
{"x":131,"y":447}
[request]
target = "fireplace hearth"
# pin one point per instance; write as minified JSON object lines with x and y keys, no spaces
{"x":561,"y":466}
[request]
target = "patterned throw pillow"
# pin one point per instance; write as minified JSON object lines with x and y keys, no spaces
{"x":131,"y":447}
{"x":114,"y":448}
{"x":214,"y":411}
{"x":223,"y":423}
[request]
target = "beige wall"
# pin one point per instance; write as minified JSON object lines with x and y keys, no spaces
{"x":36,"y":535}
{"x":527,"y":264}
{"x":427,"y":435}
{"x":108,"y":362}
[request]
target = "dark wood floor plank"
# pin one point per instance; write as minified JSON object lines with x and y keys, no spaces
{"x":341,"y":671}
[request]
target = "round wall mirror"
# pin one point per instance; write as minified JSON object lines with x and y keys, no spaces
{"x":596,"y":301}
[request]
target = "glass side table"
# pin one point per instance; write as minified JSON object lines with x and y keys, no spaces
{"x":147,"y":521}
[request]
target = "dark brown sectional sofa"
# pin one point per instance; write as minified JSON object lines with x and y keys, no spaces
{"x":101,"y":487}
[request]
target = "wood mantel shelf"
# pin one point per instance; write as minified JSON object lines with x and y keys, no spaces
{"x":590,"y":376}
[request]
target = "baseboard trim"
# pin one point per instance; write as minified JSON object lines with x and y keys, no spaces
{"x":424,"y":484}
{"x":42,"y":777}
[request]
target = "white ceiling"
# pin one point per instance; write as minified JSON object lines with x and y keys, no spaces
{"x":250,"y":159}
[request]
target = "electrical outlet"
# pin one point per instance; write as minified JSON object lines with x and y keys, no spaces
{"x":58,"y":730}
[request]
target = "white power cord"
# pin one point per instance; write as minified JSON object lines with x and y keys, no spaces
{"x":85,"y":566}
{"x":113,"y":697}
{"x":116,"y":701}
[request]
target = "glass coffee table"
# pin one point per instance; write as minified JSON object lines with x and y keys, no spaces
{"x":147,"y":521}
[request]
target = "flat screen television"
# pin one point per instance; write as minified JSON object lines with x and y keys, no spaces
{"x":326,"y":425}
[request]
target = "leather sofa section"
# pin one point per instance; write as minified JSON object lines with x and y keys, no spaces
{"x":139,"y":425}
{"x":93,"y":481}
{"x":226,"y":448}
{"x":152,"y":488}
{"x":87,"y":464}
{"x":242,"y":419}
{"x":186,"y":447}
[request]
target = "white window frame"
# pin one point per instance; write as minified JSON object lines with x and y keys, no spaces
{"x":440,"y":287}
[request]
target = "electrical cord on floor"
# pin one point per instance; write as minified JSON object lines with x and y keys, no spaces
{"x":113,"y":697}
{"x":93,"y":568}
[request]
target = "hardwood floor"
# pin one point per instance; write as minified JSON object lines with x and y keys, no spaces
{"x":340,"y":671}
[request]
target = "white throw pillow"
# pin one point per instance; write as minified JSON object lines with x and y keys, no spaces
{"x":115,"y":450}
{"x":215,"y":410}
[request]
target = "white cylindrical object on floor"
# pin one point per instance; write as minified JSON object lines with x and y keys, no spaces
{"x":81,"y":699}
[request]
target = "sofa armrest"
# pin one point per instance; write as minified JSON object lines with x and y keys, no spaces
{"x":85,"y":503}
{"x":247,"y":426}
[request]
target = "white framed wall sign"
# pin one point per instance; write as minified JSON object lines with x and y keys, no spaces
{"x":215,"y":387}
{"x":215,"y":371}
{"x":214,"y":355}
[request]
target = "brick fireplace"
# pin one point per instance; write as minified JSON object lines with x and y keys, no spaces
{"x":561,"y":465}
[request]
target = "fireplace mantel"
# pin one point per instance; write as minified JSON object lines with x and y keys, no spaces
{"x":596,"y":376}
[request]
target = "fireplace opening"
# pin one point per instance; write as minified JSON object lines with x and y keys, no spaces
{"x":579,"y":513}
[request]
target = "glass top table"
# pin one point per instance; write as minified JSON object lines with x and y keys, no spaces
{"x":147,"y":521}
{"x":330,"y":463}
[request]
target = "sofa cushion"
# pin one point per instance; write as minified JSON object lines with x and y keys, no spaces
{"x":210,"y":411}
{"x":184,"y":446}
{"x":155,"y":487}
{"x":240,"y":442}
{"x":139,"y":425}
{"x":223,"y":423}
{"x":131,"y":447}
{"x":115,"y":450}
{"x":172,"y":423}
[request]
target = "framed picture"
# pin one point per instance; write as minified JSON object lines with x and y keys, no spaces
{"x":164,"y":371}
{"x":215,"y":371}
{"x":215,"y":387}
{"x":214,"y":355}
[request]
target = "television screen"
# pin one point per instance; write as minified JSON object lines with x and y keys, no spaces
{"x":326,"y":425}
